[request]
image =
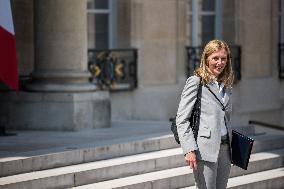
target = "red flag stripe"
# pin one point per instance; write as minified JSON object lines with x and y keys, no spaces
{"x":8,"y":59}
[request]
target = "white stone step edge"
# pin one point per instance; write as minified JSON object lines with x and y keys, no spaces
{"x":108,"y":143}
{"x":50,"y":161}
{"x":137,"y":140}
{"x":169,"y":182}
{"x":270,"y":179}
{"x":142,"y":180}
{"x":90,"y":166}
{"x":25,"y":163}
{"x":163,"y":142}
{"x":24,"y":179}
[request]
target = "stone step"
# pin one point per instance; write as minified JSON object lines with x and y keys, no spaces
{"x":71,"y":155}
{"x":18,"y":165}
{"x":176,"y":177}
{"x":270,"y":179}
{"x":144,"y":167}
{"x":182,"y":176}
{"x":24,"y":163}
{"x":267,"y":142}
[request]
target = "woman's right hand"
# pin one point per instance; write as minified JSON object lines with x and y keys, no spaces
{"x":190,"y":159}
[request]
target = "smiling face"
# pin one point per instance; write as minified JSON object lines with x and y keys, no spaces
{"x":217,"y":61}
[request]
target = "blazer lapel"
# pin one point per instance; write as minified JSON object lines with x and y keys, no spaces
{"x":213,"y":87}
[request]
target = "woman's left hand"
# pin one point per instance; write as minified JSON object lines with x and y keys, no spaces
{"x":190,"y":158}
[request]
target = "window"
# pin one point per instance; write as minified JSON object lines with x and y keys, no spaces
{"x":205,"y":21}
{"x":112,"y":63}
{"x":101,"y":24}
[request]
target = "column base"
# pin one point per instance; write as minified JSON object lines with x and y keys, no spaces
{"x":60,"y":81}
{"x":55,"y":111}
{"x":88,"y":87}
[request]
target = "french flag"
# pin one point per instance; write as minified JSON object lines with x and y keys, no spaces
{"x":8,"y":59}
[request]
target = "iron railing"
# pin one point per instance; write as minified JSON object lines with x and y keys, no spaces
{"x":113,"y":69}
{"x":281,"y":60}
{"x":194,"y":54}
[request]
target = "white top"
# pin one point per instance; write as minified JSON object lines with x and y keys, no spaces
{"x":222,"y":93}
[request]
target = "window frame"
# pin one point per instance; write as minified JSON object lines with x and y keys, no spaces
{"x":195,"y":13}
{"x":111,"y":11}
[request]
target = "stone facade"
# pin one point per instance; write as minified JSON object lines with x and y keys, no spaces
{"x":257,"y":96}
{"x":161,"y":37}
{"x":59,"y":95}
{"x":159,"y":29}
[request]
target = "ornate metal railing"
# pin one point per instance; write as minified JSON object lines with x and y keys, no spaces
{"x":194,"y":54}
{"x":281,"y":60}
{"x":113,"y":69}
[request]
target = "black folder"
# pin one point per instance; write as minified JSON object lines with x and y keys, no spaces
{"x":241,"y":149}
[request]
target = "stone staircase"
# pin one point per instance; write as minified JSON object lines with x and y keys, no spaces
{"x":154,"y":163}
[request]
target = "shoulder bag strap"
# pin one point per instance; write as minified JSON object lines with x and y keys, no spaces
{"x":195,"y":115}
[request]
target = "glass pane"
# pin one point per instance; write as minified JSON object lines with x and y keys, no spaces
{"x":90,"y":4}
{"x":207,"y":30}
{"x":101,"y":25}
{"x":208,"y":5}
{"x":97,"y":4}
{"x":101,"y":4}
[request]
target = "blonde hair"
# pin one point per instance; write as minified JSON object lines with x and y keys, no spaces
{"x":227,"y":76}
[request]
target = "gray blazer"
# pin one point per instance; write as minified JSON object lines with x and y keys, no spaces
{"x":212,"y":117}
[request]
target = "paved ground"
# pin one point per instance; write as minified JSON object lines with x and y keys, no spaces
{"x":29,"y":143}
{"x":41,"y":142}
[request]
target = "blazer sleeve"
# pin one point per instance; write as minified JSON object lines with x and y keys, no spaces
{"x":188,"y":98}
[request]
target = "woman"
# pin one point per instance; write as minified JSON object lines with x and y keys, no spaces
{"x":209,"y":154}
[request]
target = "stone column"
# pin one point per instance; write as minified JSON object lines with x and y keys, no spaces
{"x":59,"y":96}
{"x":23,"y":17}
{"x":60,"y":46}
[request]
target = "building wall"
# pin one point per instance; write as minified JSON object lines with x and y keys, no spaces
{"x":257,"y":95}
{"x":154,"y":32}
{"x":229,"y":21}
{"x":123,"y":23}
{"x":160,"y":37}
{"x":158,"y":29}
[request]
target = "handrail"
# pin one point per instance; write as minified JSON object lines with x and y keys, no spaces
{"x":278,"y":127}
